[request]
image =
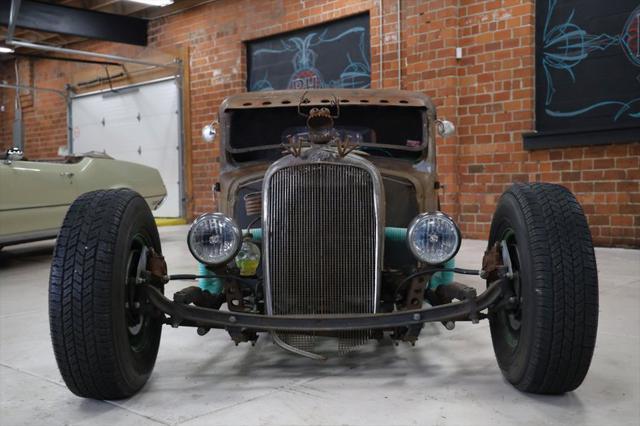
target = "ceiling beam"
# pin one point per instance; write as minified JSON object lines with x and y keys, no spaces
{"x":78,"y":22}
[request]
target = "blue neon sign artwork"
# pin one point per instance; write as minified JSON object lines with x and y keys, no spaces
{"x":336,"y":54}
{"x":567,"y":45}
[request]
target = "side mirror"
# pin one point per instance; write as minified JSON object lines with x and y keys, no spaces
{"x":210,"y":131}
{"x":445,"y":128}
{"x":13,"y":154}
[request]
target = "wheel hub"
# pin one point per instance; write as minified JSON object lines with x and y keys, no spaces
{"x":510,"y":312}
{"x":134,"y":296}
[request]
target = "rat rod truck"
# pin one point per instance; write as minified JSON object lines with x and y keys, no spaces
{"x":328,"y":233}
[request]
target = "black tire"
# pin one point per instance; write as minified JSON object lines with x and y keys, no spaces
{"x":545,"y":341}
{"x":104,"y":348}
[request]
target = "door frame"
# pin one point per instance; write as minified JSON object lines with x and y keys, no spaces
{"x":184,"y":165}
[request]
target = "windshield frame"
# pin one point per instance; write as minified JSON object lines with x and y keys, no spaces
{"x":225,"y":126}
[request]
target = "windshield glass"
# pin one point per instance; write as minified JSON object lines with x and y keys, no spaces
{"x":382,"y":127}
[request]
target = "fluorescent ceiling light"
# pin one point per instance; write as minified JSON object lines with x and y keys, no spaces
{"x":5,"y":49}
{"x":154,"y":2}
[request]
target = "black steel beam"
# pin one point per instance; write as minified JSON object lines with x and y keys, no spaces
{"x":77,"y":22}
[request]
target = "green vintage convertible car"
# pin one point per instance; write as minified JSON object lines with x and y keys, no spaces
{"x":35,"y":195}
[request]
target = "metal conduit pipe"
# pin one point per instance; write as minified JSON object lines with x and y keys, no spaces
{"x":398,"y":39}
{"x":118,"y":58}
{"x":6,"y":85}
{"x":13,"y":18}
{"x":380,"y":43}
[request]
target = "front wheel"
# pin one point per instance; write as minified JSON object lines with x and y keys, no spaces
{"x":104,"y":339}
{"x":545,"y":336}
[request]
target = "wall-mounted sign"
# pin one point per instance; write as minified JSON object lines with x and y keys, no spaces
{"x":334,"y":54}
{"x":587,"y":73}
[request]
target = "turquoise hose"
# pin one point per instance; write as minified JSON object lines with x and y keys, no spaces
{"x":443,"y":278}
{"x":390,"y":234}
{"x":212,"y":285}
{"x":395,"y":234}
{"x":256,"y":233}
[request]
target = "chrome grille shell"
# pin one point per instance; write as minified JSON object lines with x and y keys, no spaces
{"x":292,"y":189}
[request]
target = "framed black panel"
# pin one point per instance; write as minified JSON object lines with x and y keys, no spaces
{"x":587,"y":73}
{"x":333,"y":54}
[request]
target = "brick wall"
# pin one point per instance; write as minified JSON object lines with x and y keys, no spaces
{"x":489,"y":94}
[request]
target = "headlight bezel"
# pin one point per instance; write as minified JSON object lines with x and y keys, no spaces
{"x":418,"y":220}
{"x":235,"y":229}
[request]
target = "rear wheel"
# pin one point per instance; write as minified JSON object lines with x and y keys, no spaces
{"x":104,"y":338}
{"x":544,"y":337}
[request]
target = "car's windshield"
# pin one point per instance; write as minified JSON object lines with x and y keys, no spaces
{"x":379,"y":130}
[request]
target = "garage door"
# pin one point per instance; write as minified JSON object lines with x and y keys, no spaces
{"x":140,"y":124}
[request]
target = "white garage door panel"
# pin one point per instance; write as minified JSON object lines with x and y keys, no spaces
{"x":151,"y":139}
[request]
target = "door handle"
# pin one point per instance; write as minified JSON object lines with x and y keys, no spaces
{"x":66,"y":174}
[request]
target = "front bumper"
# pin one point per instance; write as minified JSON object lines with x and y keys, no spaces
{"x":179,"y":314}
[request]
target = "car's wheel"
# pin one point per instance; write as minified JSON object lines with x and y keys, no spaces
{"x":104,"y":342}
{"x":544,"y":338}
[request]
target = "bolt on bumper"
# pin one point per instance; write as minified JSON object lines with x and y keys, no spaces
{"x":180,"y":314}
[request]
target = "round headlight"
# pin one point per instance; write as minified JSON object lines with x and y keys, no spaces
{"x":433,"y":238}
{"x":214,"y":239}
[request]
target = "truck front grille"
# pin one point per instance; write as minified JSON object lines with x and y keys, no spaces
{"x":321,"y":244}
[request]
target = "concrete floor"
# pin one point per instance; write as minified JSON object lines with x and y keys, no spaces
{"x":449,"y":378}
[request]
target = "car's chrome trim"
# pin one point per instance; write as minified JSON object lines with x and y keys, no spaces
{"x":28,"y":237}
{"x":42,"y":206}
{"x":412,"y":226}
